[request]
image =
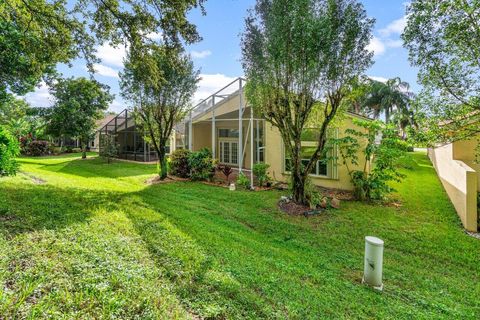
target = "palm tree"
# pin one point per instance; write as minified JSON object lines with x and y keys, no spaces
{"x":18,"y":127}
{"x":387,"y":98}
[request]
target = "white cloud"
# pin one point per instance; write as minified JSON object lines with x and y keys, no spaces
{"x":376,"y":46}
{"x":380,"y":79}
{"x":395,"y":27}
{"x":117,"y":106}
{"x":200,"y":54}
{"x":393,"y":43}
{"x":210,"y":83}
{"x":105,"y":70}
{"x":154,"y":36}
{"x":40,"y":97}
{"x":112,"y":56}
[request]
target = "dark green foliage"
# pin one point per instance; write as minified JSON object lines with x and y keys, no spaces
{"x":79,"y":104}
{"x":260,"y":170}
{"x":443,"y":40}
{"x":380,"y":160}
{"x":9,"y":150}
{"x":179,"y":165}
{"x":160,"y":81}
{"x":36,"y":35}
{"x":37,"y":148}
{"x":202,"y":166}
{"x":108,"y":147}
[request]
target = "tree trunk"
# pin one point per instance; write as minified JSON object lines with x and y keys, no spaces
{"x":298,"y":189}
{"x":84,"y":150}
{"x":298,"y":181}
{"x":163,"y":164}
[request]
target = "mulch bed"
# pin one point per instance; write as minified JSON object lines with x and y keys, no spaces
{"x":293,"y":208}
{"x":337,"y":193}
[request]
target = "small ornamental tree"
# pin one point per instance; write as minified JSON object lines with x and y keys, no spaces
{"x":108,"y":146}
{"x":9,"y":150}
{"x":300,"y":57}
{"x":79,"y":104}
{"x":380,"y":159}
{"x":160,"y":81}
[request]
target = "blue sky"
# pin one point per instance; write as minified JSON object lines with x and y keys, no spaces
{"x":218,"y":54}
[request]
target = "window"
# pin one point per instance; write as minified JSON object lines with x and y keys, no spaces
{"x":321,"y":167}
{"x":228,"y":133}
{"x":229,"y":152}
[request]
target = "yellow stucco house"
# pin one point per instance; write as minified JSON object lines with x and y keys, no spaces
{"x":225,"y":124}
{"x":460,"y":175}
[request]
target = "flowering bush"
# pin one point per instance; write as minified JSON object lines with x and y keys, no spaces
{"x":37,"y":148}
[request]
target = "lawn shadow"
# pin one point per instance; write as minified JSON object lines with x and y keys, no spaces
{"x":97,"y":167}
{"x":28,"y":207}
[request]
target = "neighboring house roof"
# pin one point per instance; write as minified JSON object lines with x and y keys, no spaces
{"x":106,"y":119}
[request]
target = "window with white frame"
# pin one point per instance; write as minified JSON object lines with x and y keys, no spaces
{"x":324,"y":167}
{"x":229,"y":152}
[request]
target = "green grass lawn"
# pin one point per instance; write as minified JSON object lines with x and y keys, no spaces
{"x":84,"y":239}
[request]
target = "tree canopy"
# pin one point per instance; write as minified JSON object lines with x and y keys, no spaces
{"x":79,"y":103}
{"x":302,"y":55}
{"x":36,"y":35}
{"x":160,"y":83}
{"x":443,"y":39}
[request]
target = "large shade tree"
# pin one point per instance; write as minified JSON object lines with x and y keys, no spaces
{"x":300,"y":56}
{"x":36,"y":35}
{"x":443,"y":39}
{"x":160,"y":81}
{"x":79,"y":104}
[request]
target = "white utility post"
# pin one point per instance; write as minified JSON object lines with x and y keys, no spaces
{"x":373,"y":263}
{"x":213,"y":128}
{"x":240,"y":131}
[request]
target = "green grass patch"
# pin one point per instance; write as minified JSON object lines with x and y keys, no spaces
{"x":84,"y":239}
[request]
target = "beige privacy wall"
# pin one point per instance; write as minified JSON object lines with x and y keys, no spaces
{"x":459,"y":181}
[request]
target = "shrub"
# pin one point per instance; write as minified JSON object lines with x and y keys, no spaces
{"x":108,"y":147}
{"x":312,"y":194}
{"x":76,"y":150}
{"x":243,"y":181}
{"x":260,"y":171}
{"x":9,"y":149}
{"x":179,"y":165}
{"x":202,"y":166}
{"x":227,"y":171}
{"x":381,"y":167}
{"x":37,"y":148}
{"x":68,"y":149}
{"x":56,"y":150}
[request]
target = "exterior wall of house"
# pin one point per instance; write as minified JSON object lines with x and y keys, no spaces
{"x":338,"y":179}
{"x":453,"y":165}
